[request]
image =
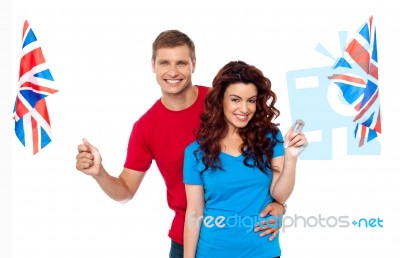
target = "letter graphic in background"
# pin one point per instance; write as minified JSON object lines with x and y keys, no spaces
{"x":345,"y":95}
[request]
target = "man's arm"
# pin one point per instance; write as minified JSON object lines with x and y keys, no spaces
{"x":121,"y":188}
{"x":276,"y":210}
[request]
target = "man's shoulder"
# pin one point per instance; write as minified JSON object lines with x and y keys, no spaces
{"x":203,"y":89}
{"x":151,"y":113}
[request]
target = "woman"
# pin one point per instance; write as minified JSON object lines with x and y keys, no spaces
{"x":237,"y":165}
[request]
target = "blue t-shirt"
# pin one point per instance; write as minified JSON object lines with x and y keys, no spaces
{"x":234,"y":198}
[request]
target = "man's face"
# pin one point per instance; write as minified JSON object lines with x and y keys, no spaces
{"x":173,"y":68}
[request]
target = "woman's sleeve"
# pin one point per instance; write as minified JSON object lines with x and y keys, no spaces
{"x":279,"y":150}
{"x":191,"y":171}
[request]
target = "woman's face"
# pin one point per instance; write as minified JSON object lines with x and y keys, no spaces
{"x":239,"y":104}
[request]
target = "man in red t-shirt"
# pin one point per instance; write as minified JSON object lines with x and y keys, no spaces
{"x":162,"y":134}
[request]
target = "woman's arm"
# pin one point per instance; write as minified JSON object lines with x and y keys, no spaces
{"x":283,"y":181}
{"x":284,"y":178}
{"x":194,"y":218}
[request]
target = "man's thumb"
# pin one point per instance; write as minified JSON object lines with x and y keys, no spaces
{"x":87,"y":143}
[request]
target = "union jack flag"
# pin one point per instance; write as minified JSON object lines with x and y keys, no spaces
{"x":358,"y":81}
{"x":32,"y":121}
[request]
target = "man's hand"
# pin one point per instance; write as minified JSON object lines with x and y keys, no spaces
{"x":276,"y":210}
{"x":88,"y":159}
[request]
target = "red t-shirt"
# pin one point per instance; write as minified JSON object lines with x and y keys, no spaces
{"x":162,"y":135}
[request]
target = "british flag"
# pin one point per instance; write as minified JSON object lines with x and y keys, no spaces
{"x":32,"y":121}
{"x":358,"y":81}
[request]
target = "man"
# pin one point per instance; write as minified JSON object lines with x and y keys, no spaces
{"x":162,"y":134}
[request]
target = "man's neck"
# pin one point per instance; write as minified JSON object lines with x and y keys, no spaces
{"x":180,"y":101}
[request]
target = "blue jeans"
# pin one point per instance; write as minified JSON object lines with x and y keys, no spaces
{"x":176,"y":250}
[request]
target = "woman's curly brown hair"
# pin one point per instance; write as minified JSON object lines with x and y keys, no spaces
{"x":257,"y":149}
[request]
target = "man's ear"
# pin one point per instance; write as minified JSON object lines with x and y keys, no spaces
{"x":194,"y":65}
{"x":153,"y":68}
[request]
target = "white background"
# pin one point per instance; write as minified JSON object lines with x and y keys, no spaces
{"x":99,"y":54}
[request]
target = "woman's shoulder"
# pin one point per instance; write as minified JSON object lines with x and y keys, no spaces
{"x":278,"y":134}
{"x":192,"y":146}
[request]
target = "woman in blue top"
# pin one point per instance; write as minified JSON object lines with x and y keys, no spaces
{"x":237,"y":165}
